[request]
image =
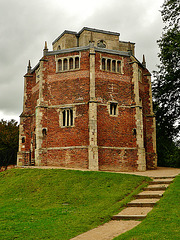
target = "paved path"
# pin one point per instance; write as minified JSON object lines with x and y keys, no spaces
{"x":159,"y":172}
{"x":108,"y":231}
{"x":136,"y":209}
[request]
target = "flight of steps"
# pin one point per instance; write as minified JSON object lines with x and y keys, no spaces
{"x":139,"y":208}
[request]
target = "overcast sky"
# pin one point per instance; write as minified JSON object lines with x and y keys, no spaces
{"x":25,"y":26}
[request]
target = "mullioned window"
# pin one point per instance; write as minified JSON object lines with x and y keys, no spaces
{"x":111,"y":65}
{"x":68,"y":64}
{"x":67,"y":117}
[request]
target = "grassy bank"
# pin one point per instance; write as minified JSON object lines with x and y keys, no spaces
{"x":163,"y":221}
{"x":60,"y":204}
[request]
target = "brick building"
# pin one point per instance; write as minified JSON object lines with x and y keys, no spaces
{"x":88,"y":104}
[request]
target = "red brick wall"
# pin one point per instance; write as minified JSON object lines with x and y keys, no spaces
{"x":72,"y":158}
{"x":72,"y":87}
{"x":118,"y":160}
{"x":116,"y":131}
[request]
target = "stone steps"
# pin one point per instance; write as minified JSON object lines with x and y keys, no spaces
{"x":143,"y":202}
{"x":161,"y":181}
{"x":139,"y":208}
{"x":133,"y":213}
{"x":164,"y":177}
{"x":156,"y":187}
{"x":149,"y":194}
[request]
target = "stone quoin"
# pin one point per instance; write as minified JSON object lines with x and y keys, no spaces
{"x":88,"y":104}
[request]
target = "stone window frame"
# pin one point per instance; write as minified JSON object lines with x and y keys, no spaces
{"x":72,"y":63}
{"x":67,"y":117}
{"x":113,"y":108}
{"x":111,"y":65}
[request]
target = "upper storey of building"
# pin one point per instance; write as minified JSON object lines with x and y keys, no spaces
{"x":100,"y":38}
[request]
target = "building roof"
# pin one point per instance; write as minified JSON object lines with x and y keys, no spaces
{"x":62,"y":34}
{"x":97,"y":30}
{"x":85,"y":29}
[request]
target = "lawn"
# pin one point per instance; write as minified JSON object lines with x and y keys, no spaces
{"x":60,"y":204}
{"x":163,"y":222}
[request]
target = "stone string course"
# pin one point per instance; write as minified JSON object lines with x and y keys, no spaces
{"x":96,"y":140}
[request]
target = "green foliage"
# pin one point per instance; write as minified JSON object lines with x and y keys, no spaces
{"x":170,"y":12}
{"x":168,"y":152}
{"x":60,"y":204}
{"x":163,"y":221}
{"x":9,"y":134}
{"x":166,"y":85}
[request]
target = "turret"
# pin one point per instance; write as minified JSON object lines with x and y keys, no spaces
{"x":45,"y":49}
{"x":144,"y":62}
{"x":29,"y":67}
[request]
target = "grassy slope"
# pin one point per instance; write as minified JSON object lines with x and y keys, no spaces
{"x":59,"y":204}
{"x":163,"y":222}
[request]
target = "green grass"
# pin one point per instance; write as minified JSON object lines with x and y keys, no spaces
{"x":60,"y":204}
{"x":163,"y":222}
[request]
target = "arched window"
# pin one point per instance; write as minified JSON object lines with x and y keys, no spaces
{"x":77,"y":62}
{"x":114,"y":65}
{"x":103,"y":63}
{"x":59,"y":65}
{"x":44,"y":132}
{"x":23,"y":139}
{"x":59,"y":47}
{"x":65,"y":64}
{"x":119,"y":66}
{"x":71,"y":63}
{"x":109,"y":64}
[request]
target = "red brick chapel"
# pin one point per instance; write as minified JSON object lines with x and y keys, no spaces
{"x":88,"y":105}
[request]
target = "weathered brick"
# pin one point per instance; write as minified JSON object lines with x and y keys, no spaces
{"x":97,"y":139}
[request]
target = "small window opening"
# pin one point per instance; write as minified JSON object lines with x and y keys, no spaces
{"x":119,"y":66}
{"x":113,"y":108}
{"x":65,"y":64}
{"x":114,"y":65}
{"x":59,"y":65}
{"x":67,"y":113}
{"x":71,"y":117}
{"x":103,"y":63}
{"x":77,"y":62}
{"x":64,"y":118}
{"x":23,"y":139}
{"x":71,"y":63}
{"x":109,"y":65}
{"x":134,"y":132}
{"x":44,"y":132}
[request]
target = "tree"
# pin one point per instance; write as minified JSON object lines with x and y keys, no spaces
{"x":166,"y":85}
{"x":9,"y":134}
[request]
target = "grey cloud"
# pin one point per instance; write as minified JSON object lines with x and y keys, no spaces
{"x":134,"y":22}
{"x":25,"y":25}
